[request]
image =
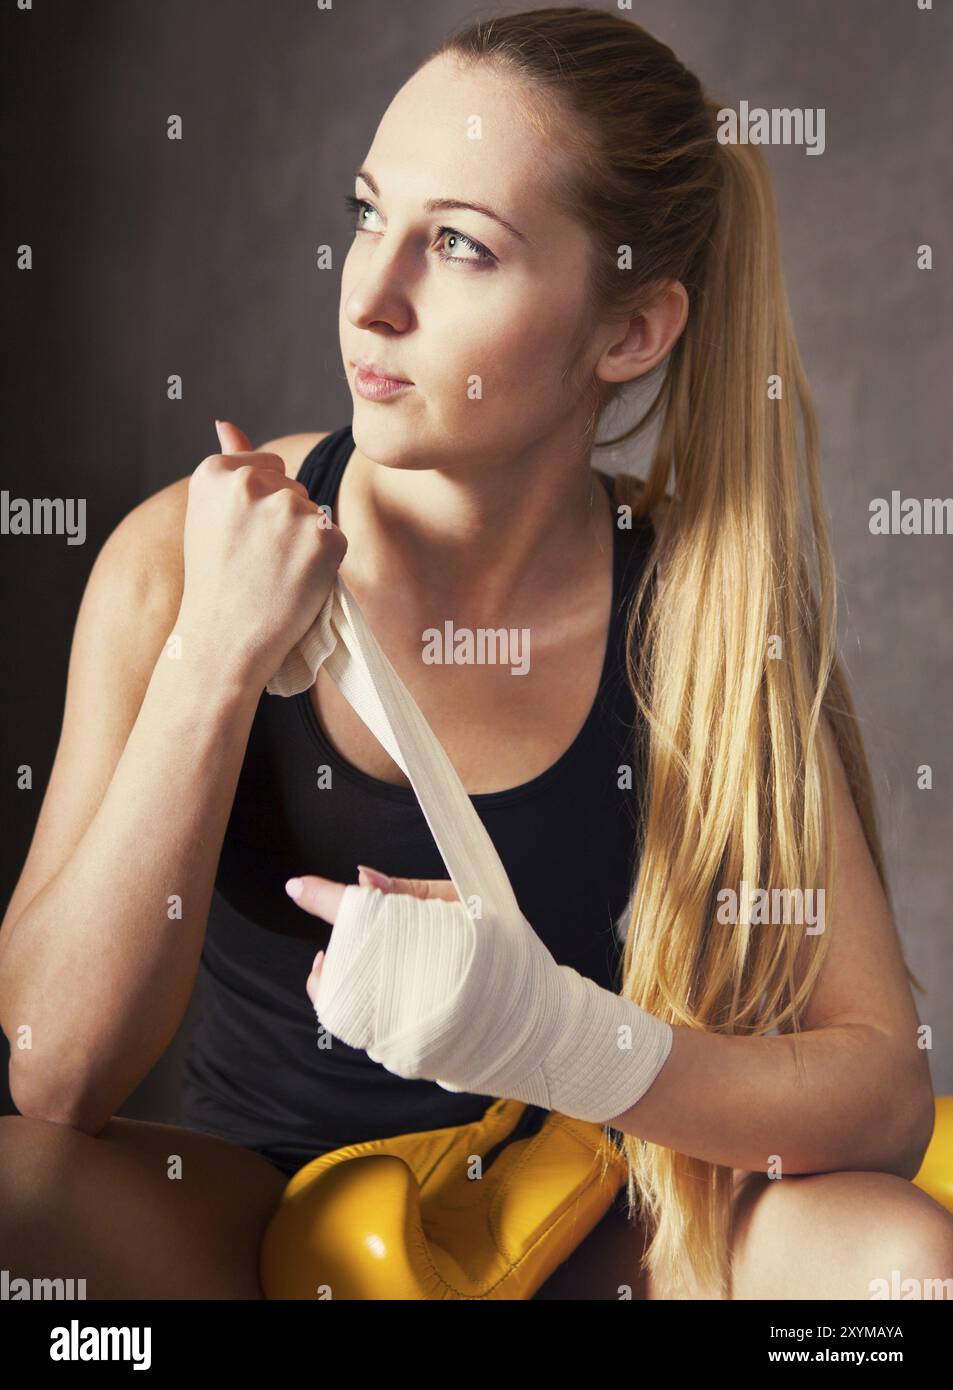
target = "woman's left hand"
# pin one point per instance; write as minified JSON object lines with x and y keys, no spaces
{"x":433,"y":988}
{"x":322,"y":898}
{"x":438,"y":990}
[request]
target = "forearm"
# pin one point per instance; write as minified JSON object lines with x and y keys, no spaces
{"x":97,"y":971}
{"x":743,"y":1103}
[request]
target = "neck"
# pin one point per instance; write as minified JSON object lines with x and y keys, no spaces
{"x":475,"y":537}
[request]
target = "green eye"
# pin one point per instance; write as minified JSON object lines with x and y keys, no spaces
{"x":481,"y":256}
{"x":356,"y":207}
{"x":482,"y":253}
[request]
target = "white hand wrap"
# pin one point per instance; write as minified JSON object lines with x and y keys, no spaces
{"x":429,"y":992}
{"x":475,"y":1004}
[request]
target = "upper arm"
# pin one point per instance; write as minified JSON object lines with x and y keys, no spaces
{"x":126,"y":613}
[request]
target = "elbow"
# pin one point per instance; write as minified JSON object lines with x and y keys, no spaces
{"x":914,"y":1135}
{"x":57,"y":1108}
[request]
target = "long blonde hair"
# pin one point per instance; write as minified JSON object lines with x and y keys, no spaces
{"x":731,"y":648}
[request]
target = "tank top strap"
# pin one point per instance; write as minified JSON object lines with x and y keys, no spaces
{"x":323,"y":467}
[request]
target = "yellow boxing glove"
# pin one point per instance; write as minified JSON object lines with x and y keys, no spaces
{"x":416,"y":1217}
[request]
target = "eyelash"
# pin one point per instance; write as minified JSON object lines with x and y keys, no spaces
{"x":356,"y":206}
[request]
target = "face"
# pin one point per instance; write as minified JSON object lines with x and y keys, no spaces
{"x":485,"y":320}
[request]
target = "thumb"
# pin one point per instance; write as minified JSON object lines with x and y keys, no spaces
{"x":231,"y":439}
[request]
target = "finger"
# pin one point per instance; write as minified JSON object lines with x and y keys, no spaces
{"x":314,"y":979}
{"x":269,"y":468}
{"x":373,"y":878}
{"x":415,"y":887}
{"x":232,"y":439}
{"x":442,"y":888}
{"x":427,"y":888}
{"x":319,"y":896}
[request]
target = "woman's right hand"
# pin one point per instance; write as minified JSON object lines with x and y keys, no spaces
{"x":260,"y":558}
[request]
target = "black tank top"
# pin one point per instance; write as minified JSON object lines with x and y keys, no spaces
{"x":255,"y":1072}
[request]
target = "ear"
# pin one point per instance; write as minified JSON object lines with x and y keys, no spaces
{"x":648,"y":338}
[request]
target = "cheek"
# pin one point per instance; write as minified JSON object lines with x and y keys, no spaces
{"x":514,"y":357}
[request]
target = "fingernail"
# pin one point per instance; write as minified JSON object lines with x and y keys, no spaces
{"x":382,"y":880}
{"x":293,"y":887}
{"x":317,"y":960}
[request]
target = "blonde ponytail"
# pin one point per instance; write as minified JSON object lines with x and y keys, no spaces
{"x":737,"y":661}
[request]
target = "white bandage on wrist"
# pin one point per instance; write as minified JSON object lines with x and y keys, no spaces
{"x":429,"y":992}
{"x":476,"y":1003}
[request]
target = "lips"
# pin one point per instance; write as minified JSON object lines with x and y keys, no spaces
{"x":371,"y":386}
{"x":382,"y":373}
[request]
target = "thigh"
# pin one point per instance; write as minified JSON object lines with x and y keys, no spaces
{"x":141,"y":1210}
{"x":808,"y":1236}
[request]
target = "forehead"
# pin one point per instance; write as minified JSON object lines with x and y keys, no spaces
{"x":467,"y":132}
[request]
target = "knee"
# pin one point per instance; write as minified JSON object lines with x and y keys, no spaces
{"x":907,"y":1244}
{"x":33,"y":1155}
{"x":862,"y":1235}
{"x":23,"y":1185}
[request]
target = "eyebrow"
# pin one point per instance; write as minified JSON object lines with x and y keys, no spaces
{"x":448,"y":204}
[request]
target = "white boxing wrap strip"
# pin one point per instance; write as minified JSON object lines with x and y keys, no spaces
{"x":471,"y":999}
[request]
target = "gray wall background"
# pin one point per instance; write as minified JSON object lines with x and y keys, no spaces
{"x":196,"y":257}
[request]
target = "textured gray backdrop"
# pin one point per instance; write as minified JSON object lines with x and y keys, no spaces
{"x":196,"y":257}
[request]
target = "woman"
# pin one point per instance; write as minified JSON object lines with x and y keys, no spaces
{"x":545,"y":216}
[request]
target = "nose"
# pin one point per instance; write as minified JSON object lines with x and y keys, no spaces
{"x":377,"y":295}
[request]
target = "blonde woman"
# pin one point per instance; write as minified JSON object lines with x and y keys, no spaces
{"x":506,"y":282}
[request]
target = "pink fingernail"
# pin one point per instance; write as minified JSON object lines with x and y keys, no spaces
{"x":382,"y":880}
{"x":294,"y":887}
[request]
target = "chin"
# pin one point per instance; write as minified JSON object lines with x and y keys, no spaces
{"x":388,"y":442}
